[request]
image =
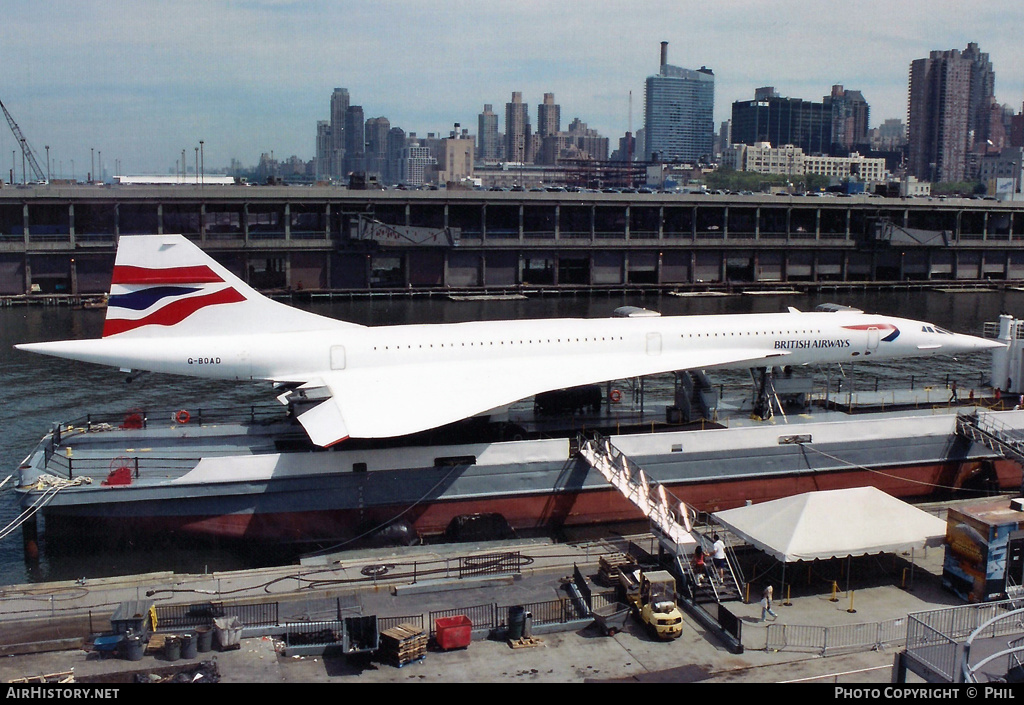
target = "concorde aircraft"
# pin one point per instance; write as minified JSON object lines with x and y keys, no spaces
{"x":173,"y":309}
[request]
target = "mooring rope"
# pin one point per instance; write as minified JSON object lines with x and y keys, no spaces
{"x":51,"y":485}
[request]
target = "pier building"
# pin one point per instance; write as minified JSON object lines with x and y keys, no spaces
{"x":61,"y":239}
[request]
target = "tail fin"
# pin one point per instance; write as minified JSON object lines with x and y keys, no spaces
{"x":165,"y":285}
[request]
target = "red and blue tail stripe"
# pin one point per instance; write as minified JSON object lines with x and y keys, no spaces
{"x":162,"y":292}
{"x":129,"y":274}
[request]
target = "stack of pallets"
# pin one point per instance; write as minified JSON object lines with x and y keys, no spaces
{"x":610,"y":563}
{"x":403,"y":644}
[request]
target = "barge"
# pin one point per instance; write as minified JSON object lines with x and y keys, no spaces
{"x":259,"y":478}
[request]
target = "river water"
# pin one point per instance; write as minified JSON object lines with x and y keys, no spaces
{"x":39,"y":391}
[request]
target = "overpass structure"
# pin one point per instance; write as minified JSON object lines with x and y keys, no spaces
{"x":61,"y":238}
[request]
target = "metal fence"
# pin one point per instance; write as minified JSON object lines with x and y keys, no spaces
{"x":830,"y":640}
{"x":502,"y":563}
{"x":385,"y":623}
{"x":934,"y":638}
{"x":493,"y":616}
{"x":557,"y":611}
{"x":256,"y":614}
{"x":480,"y":616}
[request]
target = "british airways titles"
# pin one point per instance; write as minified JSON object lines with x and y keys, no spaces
{"x":812,"y":344}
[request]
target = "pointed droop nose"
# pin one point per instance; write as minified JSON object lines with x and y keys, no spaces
{"x":972,"y":343}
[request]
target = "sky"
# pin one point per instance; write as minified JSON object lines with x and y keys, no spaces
{"x":135,"y":82}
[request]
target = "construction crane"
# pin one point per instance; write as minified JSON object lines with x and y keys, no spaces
{"x":26,"y":151}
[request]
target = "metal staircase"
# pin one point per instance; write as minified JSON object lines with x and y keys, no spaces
{"x":989,"y":432}
{"x":671,"y":520}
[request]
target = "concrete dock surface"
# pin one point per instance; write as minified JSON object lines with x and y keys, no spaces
{"x":48,"y":612}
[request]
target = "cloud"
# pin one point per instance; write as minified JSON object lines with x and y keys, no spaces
{"x":143,"y":79}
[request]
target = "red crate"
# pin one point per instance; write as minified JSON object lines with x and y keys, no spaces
{"x":453,"y":632}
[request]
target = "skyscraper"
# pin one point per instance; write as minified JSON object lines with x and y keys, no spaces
{"x":938,"y":115}
{"x":355,"y":139}
{"x":679,"y":106}
{"x":377,"y":130}
{"x":783,"y":121}
{"x":983,"y":86}
{"x":322,"y":166}
{"x":549,"y":117}
{"x":339,"y":106}
{"x":849,"y":119}
{"x":488,"y":140}
{"x":518,"y":137}
{"x":395,"y":150}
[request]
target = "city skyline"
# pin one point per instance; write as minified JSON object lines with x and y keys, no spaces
{"x":138,"y":82}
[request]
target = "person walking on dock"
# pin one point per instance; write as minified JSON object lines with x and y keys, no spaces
{"x":953,"y":399}
{"x":766,"y":604}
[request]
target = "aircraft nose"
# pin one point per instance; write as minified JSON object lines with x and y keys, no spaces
{"x":975,"y":343}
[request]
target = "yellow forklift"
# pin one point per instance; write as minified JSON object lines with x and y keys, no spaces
{"x":652,"y":596}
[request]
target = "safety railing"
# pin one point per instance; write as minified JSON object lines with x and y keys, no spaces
{"x":670,"y":518}
{"x":991,"y":433}
{"x":253,"y":614}
{"x":934,"y":638}
{"x":140,"y":418}
{"x":829,"y":640}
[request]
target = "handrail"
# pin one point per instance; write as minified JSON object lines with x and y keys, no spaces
{"x":670,"y":518}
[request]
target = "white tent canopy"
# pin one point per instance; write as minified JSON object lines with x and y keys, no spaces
{"x":834,"y":523}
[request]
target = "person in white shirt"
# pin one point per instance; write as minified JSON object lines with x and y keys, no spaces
{"x":718,"y":555}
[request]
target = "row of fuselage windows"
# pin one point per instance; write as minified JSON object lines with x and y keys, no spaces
{"x":603,"y":339}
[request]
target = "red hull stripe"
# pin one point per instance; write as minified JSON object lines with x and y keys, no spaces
{"x":200,"y":274}
{"x":174,"y":312}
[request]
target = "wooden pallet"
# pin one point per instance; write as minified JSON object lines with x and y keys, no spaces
{"x":403,"y":644}
{"x":401,"y":633}
{"x":59,"y":677}
{"x":156,"y":643}
{"x":525,"y":642}
{"x":610,"y":563}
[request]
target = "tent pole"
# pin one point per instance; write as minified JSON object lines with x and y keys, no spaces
{"x":782,"y":587}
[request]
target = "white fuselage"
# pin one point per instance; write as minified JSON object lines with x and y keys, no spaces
{"x":797,"y":338}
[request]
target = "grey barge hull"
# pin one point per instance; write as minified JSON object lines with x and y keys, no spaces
{"x":259,"y":480}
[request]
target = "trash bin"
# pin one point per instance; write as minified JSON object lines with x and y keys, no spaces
{"x":516,"y":622}
{"x":189,"y":647}
{"x":204,"y":639}
{"x":172,"y":648}
{"x":453,"y":632}
{"x":228,"y":631}
{"x":133,"y":647}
